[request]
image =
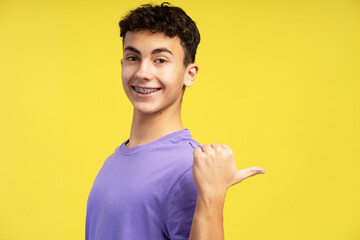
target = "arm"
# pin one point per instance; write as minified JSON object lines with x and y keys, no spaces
{"x":214,"y":171}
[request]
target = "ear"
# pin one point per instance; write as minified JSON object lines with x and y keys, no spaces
{"x":121,"y":61}
{"x":190,"y":74}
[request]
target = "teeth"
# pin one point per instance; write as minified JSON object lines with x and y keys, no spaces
{"x":146,"y":90}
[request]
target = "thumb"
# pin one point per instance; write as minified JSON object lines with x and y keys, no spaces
{"x":248,"y":172}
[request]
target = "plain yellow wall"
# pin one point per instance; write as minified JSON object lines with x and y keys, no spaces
{"x":279,"y":82}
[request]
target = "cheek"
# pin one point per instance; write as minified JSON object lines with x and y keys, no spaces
{"x":172,"y":77}
{"x":125,"y":75}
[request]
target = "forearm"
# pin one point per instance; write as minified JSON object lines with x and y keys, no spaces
{"x":208,"y":218}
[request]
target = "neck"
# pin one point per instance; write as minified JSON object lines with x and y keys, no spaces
{"x":146,"y":128}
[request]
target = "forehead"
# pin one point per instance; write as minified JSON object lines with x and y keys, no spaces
{"x":146,"y":41}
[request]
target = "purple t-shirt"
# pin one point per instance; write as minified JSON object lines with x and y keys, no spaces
{"x":144,"y":192}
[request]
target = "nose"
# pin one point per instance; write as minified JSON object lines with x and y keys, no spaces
{"x":145,"y":71}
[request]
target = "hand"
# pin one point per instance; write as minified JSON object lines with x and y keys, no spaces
{"x":214,"y":169}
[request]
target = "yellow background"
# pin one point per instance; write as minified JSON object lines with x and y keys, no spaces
{"x":279,"y":82}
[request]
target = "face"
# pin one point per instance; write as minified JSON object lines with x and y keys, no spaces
{"x":153,"y":71}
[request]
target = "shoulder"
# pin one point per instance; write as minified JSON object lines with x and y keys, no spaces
{"x":184,"y":185}
{"x":177,"y":157}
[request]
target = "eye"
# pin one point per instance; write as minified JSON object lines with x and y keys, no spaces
{"x":131,"y":58}
{"x":160,"y":60}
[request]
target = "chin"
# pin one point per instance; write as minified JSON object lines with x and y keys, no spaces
{"x":146,"y":109}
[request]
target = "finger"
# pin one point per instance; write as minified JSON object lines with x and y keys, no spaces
{"x":206,"y":147}
{"x":216,"y":146}
{"x":225,"y":146}
{"x":197,"y":151}
{"x":249,"y":172}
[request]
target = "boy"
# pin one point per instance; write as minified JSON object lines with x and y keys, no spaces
{"x":160,"y":183}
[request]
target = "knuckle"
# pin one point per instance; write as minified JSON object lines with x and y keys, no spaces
{"x":217,"y":147}
{"x":211,"y":152}
{"x":205,"y":146}
{"x":197,"y":152}
{"x":230,"y":152}
{"x":225,"y":146}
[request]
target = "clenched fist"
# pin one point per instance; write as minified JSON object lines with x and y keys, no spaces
{"x":214,"y":169}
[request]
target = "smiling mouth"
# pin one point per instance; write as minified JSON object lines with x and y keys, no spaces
{"x":145,"y":90}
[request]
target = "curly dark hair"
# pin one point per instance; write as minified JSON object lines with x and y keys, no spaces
{"x":170,"y":20}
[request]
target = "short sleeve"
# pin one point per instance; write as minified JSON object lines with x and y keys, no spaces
{"x":180,"y":207}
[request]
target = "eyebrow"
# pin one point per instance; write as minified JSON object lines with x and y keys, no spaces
{"x":129,"y":48}
{"x":155,"y":51}
{"x":159,"y":50}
